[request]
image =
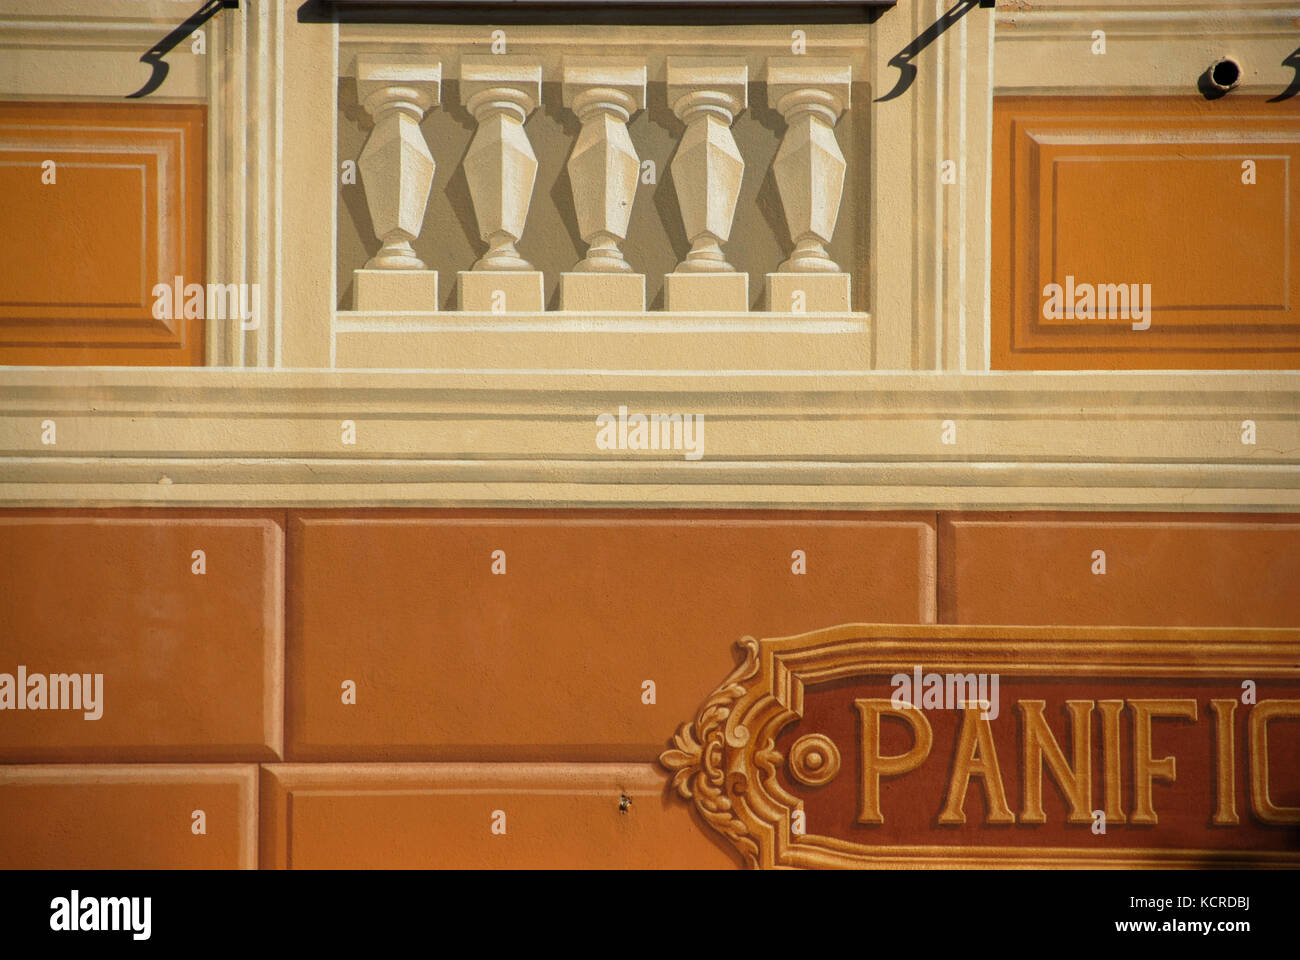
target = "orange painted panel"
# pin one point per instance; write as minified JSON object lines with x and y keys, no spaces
{"x":1160,"y":569}
{"x":126,"y":653}
{"x":128,"y":817}
{"x":123,"y":211}
{"x":1134,"y":191}
{"x":549,"y":660}
{"x":443,"y":815}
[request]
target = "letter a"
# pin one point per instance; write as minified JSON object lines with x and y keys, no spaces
{"x":799,"y":564}
{"x":499,"y":563}
{"x":48,"y":433}
{"x":1099,"y":562}
{"x":1248,"y":432}
{"x":648,"y":692}
{"x":498,"y":823}
{"x":348,"y":433}
{"x":200,"y":564}
{"x":349,"y":695}
{"x":1248,"y":171}
{"x":200,"y":825}
{"x":48,"y":171}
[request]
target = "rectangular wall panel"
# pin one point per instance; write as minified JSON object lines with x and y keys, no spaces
{"x":181,"y":664}
{"x":552,"y":656}
{"x":1159,"y":570}
{"x":101,"y":202}
{"x":479,"y":815}
{"x":1194,"y":198}
{"x":128,"y":817}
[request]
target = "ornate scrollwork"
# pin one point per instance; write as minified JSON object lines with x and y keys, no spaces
{"x":698,"y":760}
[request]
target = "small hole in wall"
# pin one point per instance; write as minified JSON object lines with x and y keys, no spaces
{"x":1220,"y":77}
{"x":1225,"y":73}
{"x":624,"y":802}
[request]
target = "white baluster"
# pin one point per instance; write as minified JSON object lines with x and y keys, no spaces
{"x":603,"y":170}
{"x":707,"y":94}
{"x":811,"y":94}
{"x":396,"y":171}
{"x":501,"y":169}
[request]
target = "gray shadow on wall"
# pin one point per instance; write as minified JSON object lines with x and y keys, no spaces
{"x":768,"y":199}
{"x":561,"y":191}
{"x":457,"y":187}
{"x":353,"y":195}
{"x":665,"y":192}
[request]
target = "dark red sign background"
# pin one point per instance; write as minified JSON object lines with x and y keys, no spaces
{"x":911,"y":802}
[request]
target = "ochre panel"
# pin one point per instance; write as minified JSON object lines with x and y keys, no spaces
{"x":178,"y":664}
{"x":1160,"y":569}
{"x":128,"y":817}
{"x":479,"y":815}
{"x":111,"y":201}
{"x":549,"y":660}
{"x":1133,"y":191}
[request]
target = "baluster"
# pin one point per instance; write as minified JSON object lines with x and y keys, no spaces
{"x":706,"y":95}
{"x":501,"y":168}
{"x":603,"y":170}
{"x":811,"y":94}
{"x":396,"y":172}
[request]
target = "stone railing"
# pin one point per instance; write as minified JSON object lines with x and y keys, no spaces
{"x":604,"y":170}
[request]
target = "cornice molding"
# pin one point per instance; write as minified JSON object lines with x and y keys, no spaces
{"x":220,"y":437}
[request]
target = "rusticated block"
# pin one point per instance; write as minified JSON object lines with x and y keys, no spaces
{"x":128,"y":817}
{"x":550,"y":659}
{"x":1159,"y":569}
{"x":478,"y":815}
{"x":141,"y":635}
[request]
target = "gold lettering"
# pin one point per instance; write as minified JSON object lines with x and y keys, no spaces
{"x":1039,"y":744}
{"x":1225,"y":779}
{"x":1260,"y":802}
{"x":874,"y":765}
{"x":1112,"y":776}
{"x":1147,"y":768}
{"x":976,"y":757}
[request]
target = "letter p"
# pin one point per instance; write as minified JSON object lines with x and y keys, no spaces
{"x":874,"y":765}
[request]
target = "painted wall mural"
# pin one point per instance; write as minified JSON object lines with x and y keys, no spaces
{"x":815,"y":435}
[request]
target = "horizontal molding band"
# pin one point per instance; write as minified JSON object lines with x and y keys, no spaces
{"x":223,"y":437}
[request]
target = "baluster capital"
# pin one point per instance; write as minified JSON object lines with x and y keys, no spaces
{"x":820,"y":86}
{"x":398,"y":81}
{"x":707,"y":86}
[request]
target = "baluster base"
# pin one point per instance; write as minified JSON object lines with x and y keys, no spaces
{"x":379,"y":290}
{"x":706,"y":292}
{"x":500,"y":291}
{"x":809,"y":292}
{"x":603,"y":292}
